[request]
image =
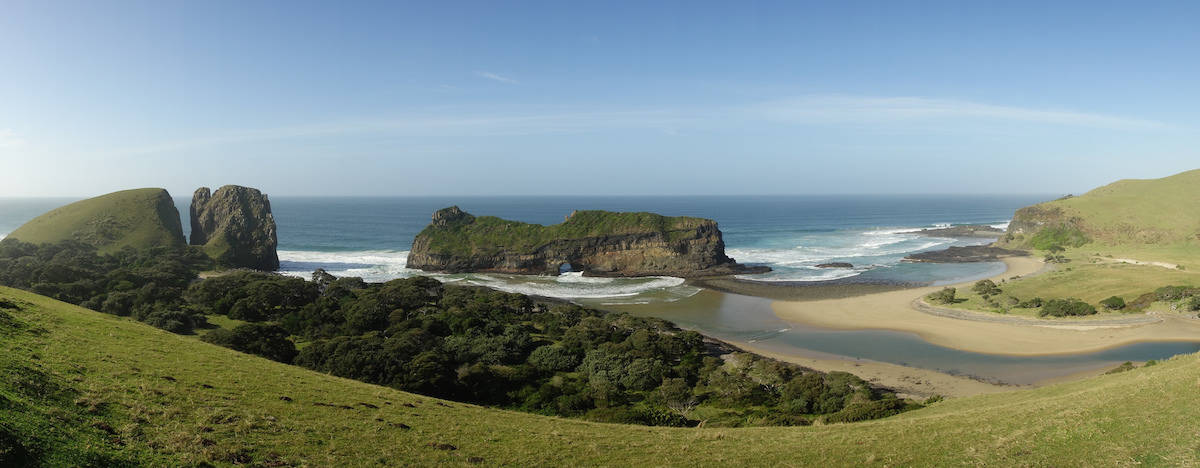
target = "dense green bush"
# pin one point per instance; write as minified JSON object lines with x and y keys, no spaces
{"x":1066,"y":307}
{"x":1063,"y":236}
{"x":144,"y":284}
{"x":1194,"y":304}
{"x":1175,"y":293}
{"x":986,"y":288}
{"x":1031,"y":303}
{"x":490,"y":347}
{"x":269,"y":341}
{"x":1113,"y":303}
{"x":945,"y":296}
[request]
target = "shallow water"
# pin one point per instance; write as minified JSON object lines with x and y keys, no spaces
{"x":750,"y":319}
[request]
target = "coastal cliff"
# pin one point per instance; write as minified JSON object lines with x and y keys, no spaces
{"x":597,"y":243}
{"x":235,"y":227}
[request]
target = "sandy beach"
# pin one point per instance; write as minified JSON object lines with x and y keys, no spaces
{"x":893,"y":310}
{"x":907,"y":382}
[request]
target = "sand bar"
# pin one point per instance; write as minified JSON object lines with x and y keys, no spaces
{"x":893,"y":310}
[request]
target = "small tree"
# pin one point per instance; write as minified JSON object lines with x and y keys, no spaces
{"x":986,"y":288}
{"x":945,"y":296}
{"x":1113,"y":303}
{"x":1054,"y":253}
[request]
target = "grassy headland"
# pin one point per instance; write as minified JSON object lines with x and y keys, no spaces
{"x":139,"y":218}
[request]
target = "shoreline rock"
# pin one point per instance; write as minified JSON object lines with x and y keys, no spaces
{"x":968,"y":254}
{"x":596,"y":243}
{"x":835,"y":265}
{"x":964,"y":230}
{"x":235,"y":226}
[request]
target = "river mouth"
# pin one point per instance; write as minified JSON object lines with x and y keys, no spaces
{"x":749,"y":319}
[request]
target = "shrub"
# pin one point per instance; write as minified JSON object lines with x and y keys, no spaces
{"x":1066,"y":307}
{"x":986,"y":288}
{"x":269,"y":341}
{"x":1062,"y":236}
{"x":867,"y":410}
{"x":1126,"y":366}
{"x":1031,"y":304}
{"x":1113,"y":303}
{"x":945,"y":296}
{"x":1174,"y":293}
{"x":1141,"y":302}
{"x":1194,"y":304}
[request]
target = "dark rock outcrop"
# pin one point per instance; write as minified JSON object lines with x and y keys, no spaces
{"x":835,"y":265}
{"x":235,"y":226}
{"x":597,"y":243}
{"x":968,"y":254}
{"x":964,"y":230}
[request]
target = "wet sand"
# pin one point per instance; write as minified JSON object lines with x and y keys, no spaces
{"x":907,"y":382}
{"x":893,"y":310}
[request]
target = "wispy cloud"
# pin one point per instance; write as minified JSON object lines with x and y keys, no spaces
{"x":10,"y":139}
{"x":843,"y":109}
{"x":882,"y":112}
{"x":496,"y":77}
{"x":481,"y":125}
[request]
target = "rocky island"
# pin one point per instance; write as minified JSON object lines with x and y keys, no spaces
{"x":235,"y":227}
{"x":597,"y":243}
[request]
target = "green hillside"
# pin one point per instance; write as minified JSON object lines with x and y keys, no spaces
{"x":80,"y":387}
{"x":138,"y":218}
{"x":1135,"y":212}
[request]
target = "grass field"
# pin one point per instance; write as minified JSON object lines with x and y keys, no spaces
{"x":136,"y":218}
{"x":1089,"y":278}
{"x":126,"y":392}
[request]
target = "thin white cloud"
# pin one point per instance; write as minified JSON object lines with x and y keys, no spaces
{"x":843,"y":109}
{"x":495,"y":77}
{"x":433,"y":125}
{"x":10,"y":139}
{"x":882,"y":112}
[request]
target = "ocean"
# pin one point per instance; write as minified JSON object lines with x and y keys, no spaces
{"x":370,"y":237}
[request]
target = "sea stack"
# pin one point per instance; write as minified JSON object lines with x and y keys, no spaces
{"x":596,"y":243}
{"x":235,"y":227}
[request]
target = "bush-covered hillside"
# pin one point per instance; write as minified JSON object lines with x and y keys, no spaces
{"x":147,"y":283}
{"x":501,"y":349}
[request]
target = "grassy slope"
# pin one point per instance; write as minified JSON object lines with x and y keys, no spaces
{"x":489,"y":233}
{"x":219,"y":405}
{"x":1154,"y":220}
{"x":1133,"y":213}
{"x":137,"y":218}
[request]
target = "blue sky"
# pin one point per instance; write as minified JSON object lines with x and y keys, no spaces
{"x":609,"y":98}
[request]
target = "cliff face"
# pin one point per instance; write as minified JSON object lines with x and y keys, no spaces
{"x":598,"y":243}
{"x":235,"y":226}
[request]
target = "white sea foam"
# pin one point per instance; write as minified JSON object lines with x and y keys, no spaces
{"x":1003,"y":225}
{"x":370,"y":265}
{"x":595,"y":288}
{"x":384,"y":265}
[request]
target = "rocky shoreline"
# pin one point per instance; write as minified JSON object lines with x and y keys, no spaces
{"x":964,"y":231}
{"x":967,"y":254}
